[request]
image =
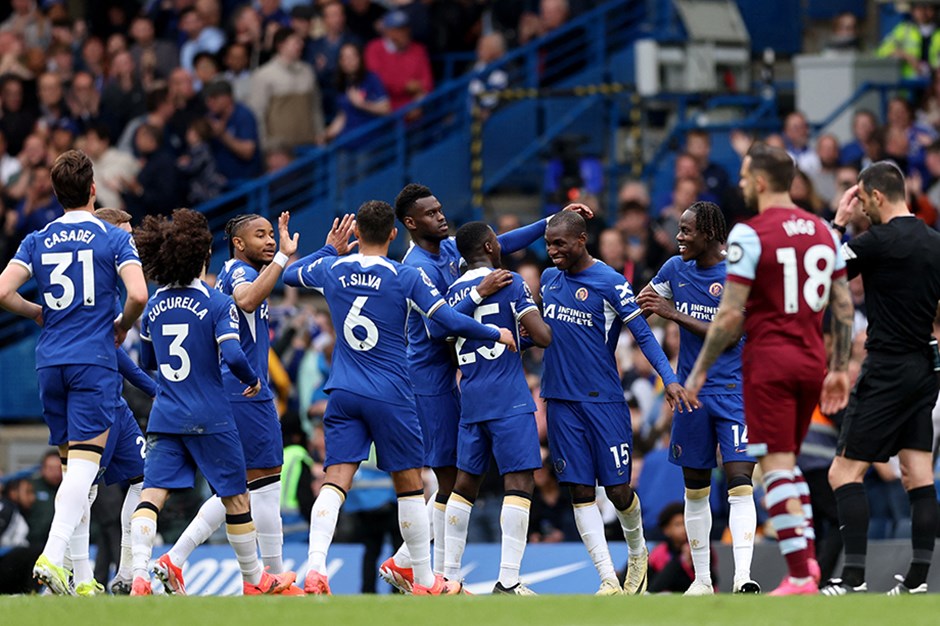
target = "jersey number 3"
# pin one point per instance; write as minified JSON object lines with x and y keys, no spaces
{"x":62,"y":262}
{"x":179,"y":332}
{"x":818,"y":279}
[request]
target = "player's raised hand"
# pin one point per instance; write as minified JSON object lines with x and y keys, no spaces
{"x":581,"y":209}
{"x":848,"y":206}
{"x":653,"y":303}
{"x":835,"y":393}
{"x":493,"y":282}
{"x":678,"y":399}
{"x":507,"y":339}
{"x":288,"y":244}
{"x":251,"y":392}
{"x":340,"y":233}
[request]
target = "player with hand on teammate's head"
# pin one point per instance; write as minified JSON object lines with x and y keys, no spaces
{"x":371,"y":400}
{"x":687,"y":291}
{"x":497,"y":415}
{"x":433,"y":375}
{"x":185,"y":327}
{"x":77,"y":261}
{"x":586,"y":303}
{"x":249,"y":277}
{"x":784,"y":267}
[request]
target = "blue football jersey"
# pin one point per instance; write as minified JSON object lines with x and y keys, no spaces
{"x":255,"y":337}
{"x":429,"y":363}
{"x":185,"y":325}
{"x":76,"y":262}
{"x":492,"y":383}
{"x":697,"y":292}
{"x":586,"y":312}
{"x":370,"y":298}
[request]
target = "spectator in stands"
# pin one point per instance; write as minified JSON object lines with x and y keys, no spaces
{"x":200,"y":37}
{"x":202,"y":180}
{"x":551,"y":519}
{"x":123,"y":97}
{"x":552,"y":15}
{"x":235,"y":134}
{"x":110,"y":165}
{"x":61,"y":62}
{"x":10,"y":166}
{"x":932,"y":164}
{"x":864,"y":126}
{"x":62,"y":137}
{"x":715,"y":178}
{"x":402,"y":64}
{"x":187,"y":106}
{"x":905,"y":139}
{"x":246,"y":24}
{"x":644,"y":253}
{"x":45,"y":485}
{"x":52,"y":105}
{"x":147,"y":50}
{"x":28,"y":21}
{"x":362,"y":18}
{"x":824,"y":181}
{"x":670,"y":563}
{"x":844,"y":36}
{"x":323,"y":53}
{"x":804,"y":195}
{"x":156,"y":188}
{"x":93,"y":60}
{"x":846,"y":176}
{"x":797,"y":143}
{"x":273,"y":17}
{"x":490,"y":48}
{"x":36,"y":209}
{"x":612,"y":251}
{"x":916,"y":41}
{"x":159,"y":110}
{"x":84,"y":101}
{"x":16,"y":555}
{"x":205,"y":69}
{"x":285,"y":96}
{"x":235,"y":70}
{"x":686,"y":167}
{"x":34,"y":154}
{"x":362,"y":97}
{"x":16,"y":122}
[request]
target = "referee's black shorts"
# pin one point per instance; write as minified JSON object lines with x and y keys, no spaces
{"x":890,"y":408}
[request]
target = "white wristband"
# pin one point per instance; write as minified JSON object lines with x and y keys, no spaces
{"x":281,"y":259}
{"x":475,"y":296}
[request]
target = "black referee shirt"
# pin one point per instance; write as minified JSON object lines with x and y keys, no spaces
{"x":900,"y":267}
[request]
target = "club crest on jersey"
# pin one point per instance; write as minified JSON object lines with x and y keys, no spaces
{"x":233,"y":313}
{"x":453,"y":268}
{"x":715,"y":289}
{"x":560,"y":466}
{"x":581,"y":294}
{"x":735,"y":253}
{"x":676,"y":451}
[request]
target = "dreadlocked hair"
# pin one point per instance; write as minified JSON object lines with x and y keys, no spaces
{"x":175,"y":250}
{"x":233,"y":226}
{"x":710,"y":221}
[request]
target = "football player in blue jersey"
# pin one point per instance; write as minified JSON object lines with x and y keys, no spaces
{"x":497,"y":416}
{"x":249,"y":277}
{"x":433,"y":374}
{"x":687,"y":290}
{"x":586,"y":303}
{"x":185,"y":326}
{"x":370,"y":397}
{"x":77,"y":261}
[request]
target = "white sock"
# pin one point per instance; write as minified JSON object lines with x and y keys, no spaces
{"x":457,"y":516}
{"x":402,"y":558}
{"x":131,"y":500}
{"x":591,"y":527}
{"x":209,"y":518}
{"x":742,"y":522}
{"x":439,"y":533}
{"x":631,"y":521}
{"x":698,"y":527}
{"x":323,"y":525}
{"x":244,"y":540}
{"x":266,"y":511}
{"x":78,"y":546}
{"x":143,"y":531}
{"x":70,"y":502}
{"x":514,"y":522}
{"x":413,"y":522}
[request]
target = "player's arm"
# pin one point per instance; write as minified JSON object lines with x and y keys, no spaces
{"x":724,"y":331}
{"x":250,"y":294}
{"x":491,"y":283}
{"x":540,"y":333}
{"x":134,"y":375}
{"x":148,"y":358}
{"x":520,"y":238}
{"x":13,"y":277}
{"x":836,"y":387}
{"x":855,"y":250}
{"x":238,"y":364}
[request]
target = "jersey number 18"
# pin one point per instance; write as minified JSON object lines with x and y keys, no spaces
{"x":818,"y":279}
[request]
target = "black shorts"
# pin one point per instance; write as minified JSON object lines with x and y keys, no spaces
{"x":890,"y":408}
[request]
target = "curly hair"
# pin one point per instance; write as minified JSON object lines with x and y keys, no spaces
{"x":471,"y":237}
{"x":407,"y":197}
{"x":710,"y":221}
{"x":175,"y":250}
{"x":234,"y":226}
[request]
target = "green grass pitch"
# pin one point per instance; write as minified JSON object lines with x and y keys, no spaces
{"x":723,"y":610}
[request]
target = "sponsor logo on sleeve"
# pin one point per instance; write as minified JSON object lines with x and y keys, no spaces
{"x":735,"y":253}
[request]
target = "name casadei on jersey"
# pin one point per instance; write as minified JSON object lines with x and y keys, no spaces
{"x":69,"y":236}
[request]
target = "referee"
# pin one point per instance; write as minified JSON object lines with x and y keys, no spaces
{"x":890,"y":408}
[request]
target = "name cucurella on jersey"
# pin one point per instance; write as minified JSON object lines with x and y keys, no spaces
{"x":361,"y":280}
{"x":177,"y":302}
{"x":568,"y":314}
{"x":79,"y":234}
